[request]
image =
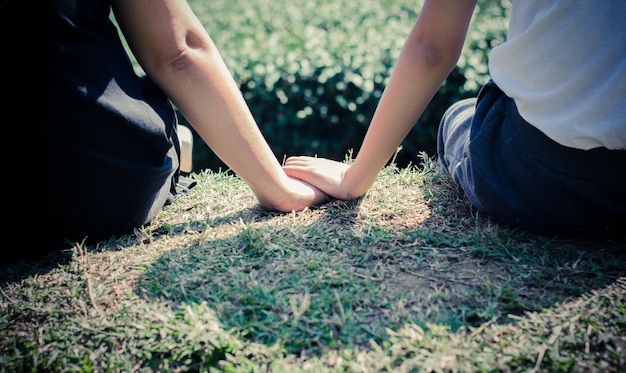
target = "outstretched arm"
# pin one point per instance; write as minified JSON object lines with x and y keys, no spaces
{"x":429,"y":54}
{"x":177,"y":53}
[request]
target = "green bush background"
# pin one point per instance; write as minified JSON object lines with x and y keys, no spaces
{"x":312,"y":71}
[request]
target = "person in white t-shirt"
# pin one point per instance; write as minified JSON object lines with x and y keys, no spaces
{"x":543,"y":147}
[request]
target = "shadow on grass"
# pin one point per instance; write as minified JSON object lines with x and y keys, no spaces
{"x":15,"y":270}
{"x":352,"y":270}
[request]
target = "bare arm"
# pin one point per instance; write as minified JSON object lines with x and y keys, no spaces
{"x":430,"y":52}
{"x":176,"y":52}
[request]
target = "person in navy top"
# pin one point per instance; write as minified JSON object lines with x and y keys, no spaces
{"x":98,"y":146}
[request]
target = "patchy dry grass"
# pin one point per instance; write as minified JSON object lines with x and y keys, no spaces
{"x":408,"y":278}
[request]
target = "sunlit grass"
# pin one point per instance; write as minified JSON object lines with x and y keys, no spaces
{"x":408,"y":278}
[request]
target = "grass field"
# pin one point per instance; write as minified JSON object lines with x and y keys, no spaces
{"x":409,"y":278}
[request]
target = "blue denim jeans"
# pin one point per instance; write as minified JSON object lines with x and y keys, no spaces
{"x":513,"y":172}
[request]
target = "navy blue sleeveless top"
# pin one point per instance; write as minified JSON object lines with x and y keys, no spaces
{"x":99,"y":151}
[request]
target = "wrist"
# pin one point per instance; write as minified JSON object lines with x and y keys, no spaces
{"x":356,"y":182}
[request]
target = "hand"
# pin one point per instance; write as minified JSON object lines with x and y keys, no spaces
{"x":299,"y":196}
{"x":325,"y":174}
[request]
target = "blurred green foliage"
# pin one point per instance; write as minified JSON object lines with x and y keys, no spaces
{"x":312,"y":71}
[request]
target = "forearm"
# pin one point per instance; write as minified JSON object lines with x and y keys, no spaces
{"x":225,"y":123}
{"x":429,"y":54}
{"x":411,"y":88}
{"x":177,"y":53}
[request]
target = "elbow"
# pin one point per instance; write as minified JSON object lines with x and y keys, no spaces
{"x":430,"y":54}
{"x":432,"y":50}
{"x":434,"y":56}
{"x":178,"y":63}
{"x":181,"y":55}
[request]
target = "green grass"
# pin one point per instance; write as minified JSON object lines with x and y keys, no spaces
{"x":408,"y":278}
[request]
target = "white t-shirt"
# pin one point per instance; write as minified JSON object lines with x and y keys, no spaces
{"x":564,"y":64}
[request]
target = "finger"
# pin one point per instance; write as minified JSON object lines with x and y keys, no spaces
{"x":296,"y":172}
{"x":299,"y":165}
{"x":297,"y":160}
